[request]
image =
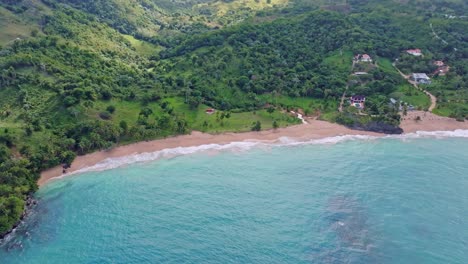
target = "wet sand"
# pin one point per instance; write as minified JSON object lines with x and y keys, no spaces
{"x":314,"y":129}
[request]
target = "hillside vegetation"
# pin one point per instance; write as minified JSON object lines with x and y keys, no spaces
{"x":78,"y":76}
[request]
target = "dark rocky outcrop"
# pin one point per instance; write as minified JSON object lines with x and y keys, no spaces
{"x":378,"y":127}
{"x":30,"y":203}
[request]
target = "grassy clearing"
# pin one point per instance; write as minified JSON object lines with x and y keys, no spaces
{"x":237,"y":122}
{"x":142,"y":47}
{"x":450,"y":109}
{"x":9,"y":125}
{"x":224,"y":7}
{"x":17,"y":132}
{"x":442,"y":111}
{"x":20,"y":25}
{"x":127,"y":111}
{"x":13,"y":130}
{"x":409,"y":94}
{"x":340,"y":60}
{"x":450,"y":101}
{"x":12,"y":27}
{"x":386,"y":65}
{"x":308,"y":105}
{"x":196,"y":118}
{"x":329,"y":116}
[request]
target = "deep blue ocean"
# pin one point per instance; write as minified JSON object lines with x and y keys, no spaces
{"x":391,"y":200}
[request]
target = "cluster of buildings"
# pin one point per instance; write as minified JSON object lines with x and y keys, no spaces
{"x":358,"y":101}
{"x":422,"y":78}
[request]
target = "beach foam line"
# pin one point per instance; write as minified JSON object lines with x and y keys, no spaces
{"x":459,"y":133}
{"x":237,"y":146}
{"x":240,"y":146}
{"x":112,"y":163}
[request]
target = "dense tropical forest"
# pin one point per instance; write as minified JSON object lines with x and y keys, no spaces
{"x":79,"y":76}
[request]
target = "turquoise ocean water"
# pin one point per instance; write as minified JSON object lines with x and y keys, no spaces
{"x":393,"y":200}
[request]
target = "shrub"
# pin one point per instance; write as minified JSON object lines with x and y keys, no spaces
{"x":123,"y":125}
{"x":256,"y":126}
{"x":110,"y":109}
{"x":275,"y":125}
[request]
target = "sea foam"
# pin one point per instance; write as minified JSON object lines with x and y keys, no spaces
{"x":240,"y":146}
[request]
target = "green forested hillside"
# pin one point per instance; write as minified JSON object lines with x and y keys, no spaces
{"x":77,"y":76}
{"x":246,"y":60}
{"x":158,"y":20}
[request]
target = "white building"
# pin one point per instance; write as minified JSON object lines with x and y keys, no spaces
{"x":421,"y":78}
{"x":414,"y":52}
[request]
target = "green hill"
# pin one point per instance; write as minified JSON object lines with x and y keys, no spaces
{"x":78,"y":76}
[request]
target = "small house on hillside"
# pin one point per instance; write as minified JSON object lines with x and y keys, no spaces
{"x":360,"y":73}
{"x":414,"y":52}
{"x":358,"y":101}
{"x":366,"y":58}
{"x":210,"y":111}
{"x":421,"y":78}
{"x":363,"y":58}
{"x":439,"y":63}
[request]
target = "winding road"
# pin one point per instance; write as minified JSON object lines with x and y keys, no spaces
{"x":407,"y":77}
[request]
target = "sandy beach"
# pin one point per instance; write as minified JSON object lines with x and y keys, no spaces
{"x":429,"y":122}
{"x":314,"y":129}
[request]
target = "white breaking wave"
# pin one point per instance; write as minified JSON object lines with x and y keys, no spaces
{"x":112,"y":163}
{"x":459,"y":133}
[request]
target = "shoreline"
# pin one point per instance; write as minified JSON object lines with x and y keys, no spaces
{"x":30,"y":204}
{"x":314,"y":129}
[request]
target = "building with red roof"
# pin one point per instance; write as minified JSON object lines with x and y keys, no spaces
{"x":414,"y":52}
{"x":366,"y":58}
{"x":210,"y":111}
